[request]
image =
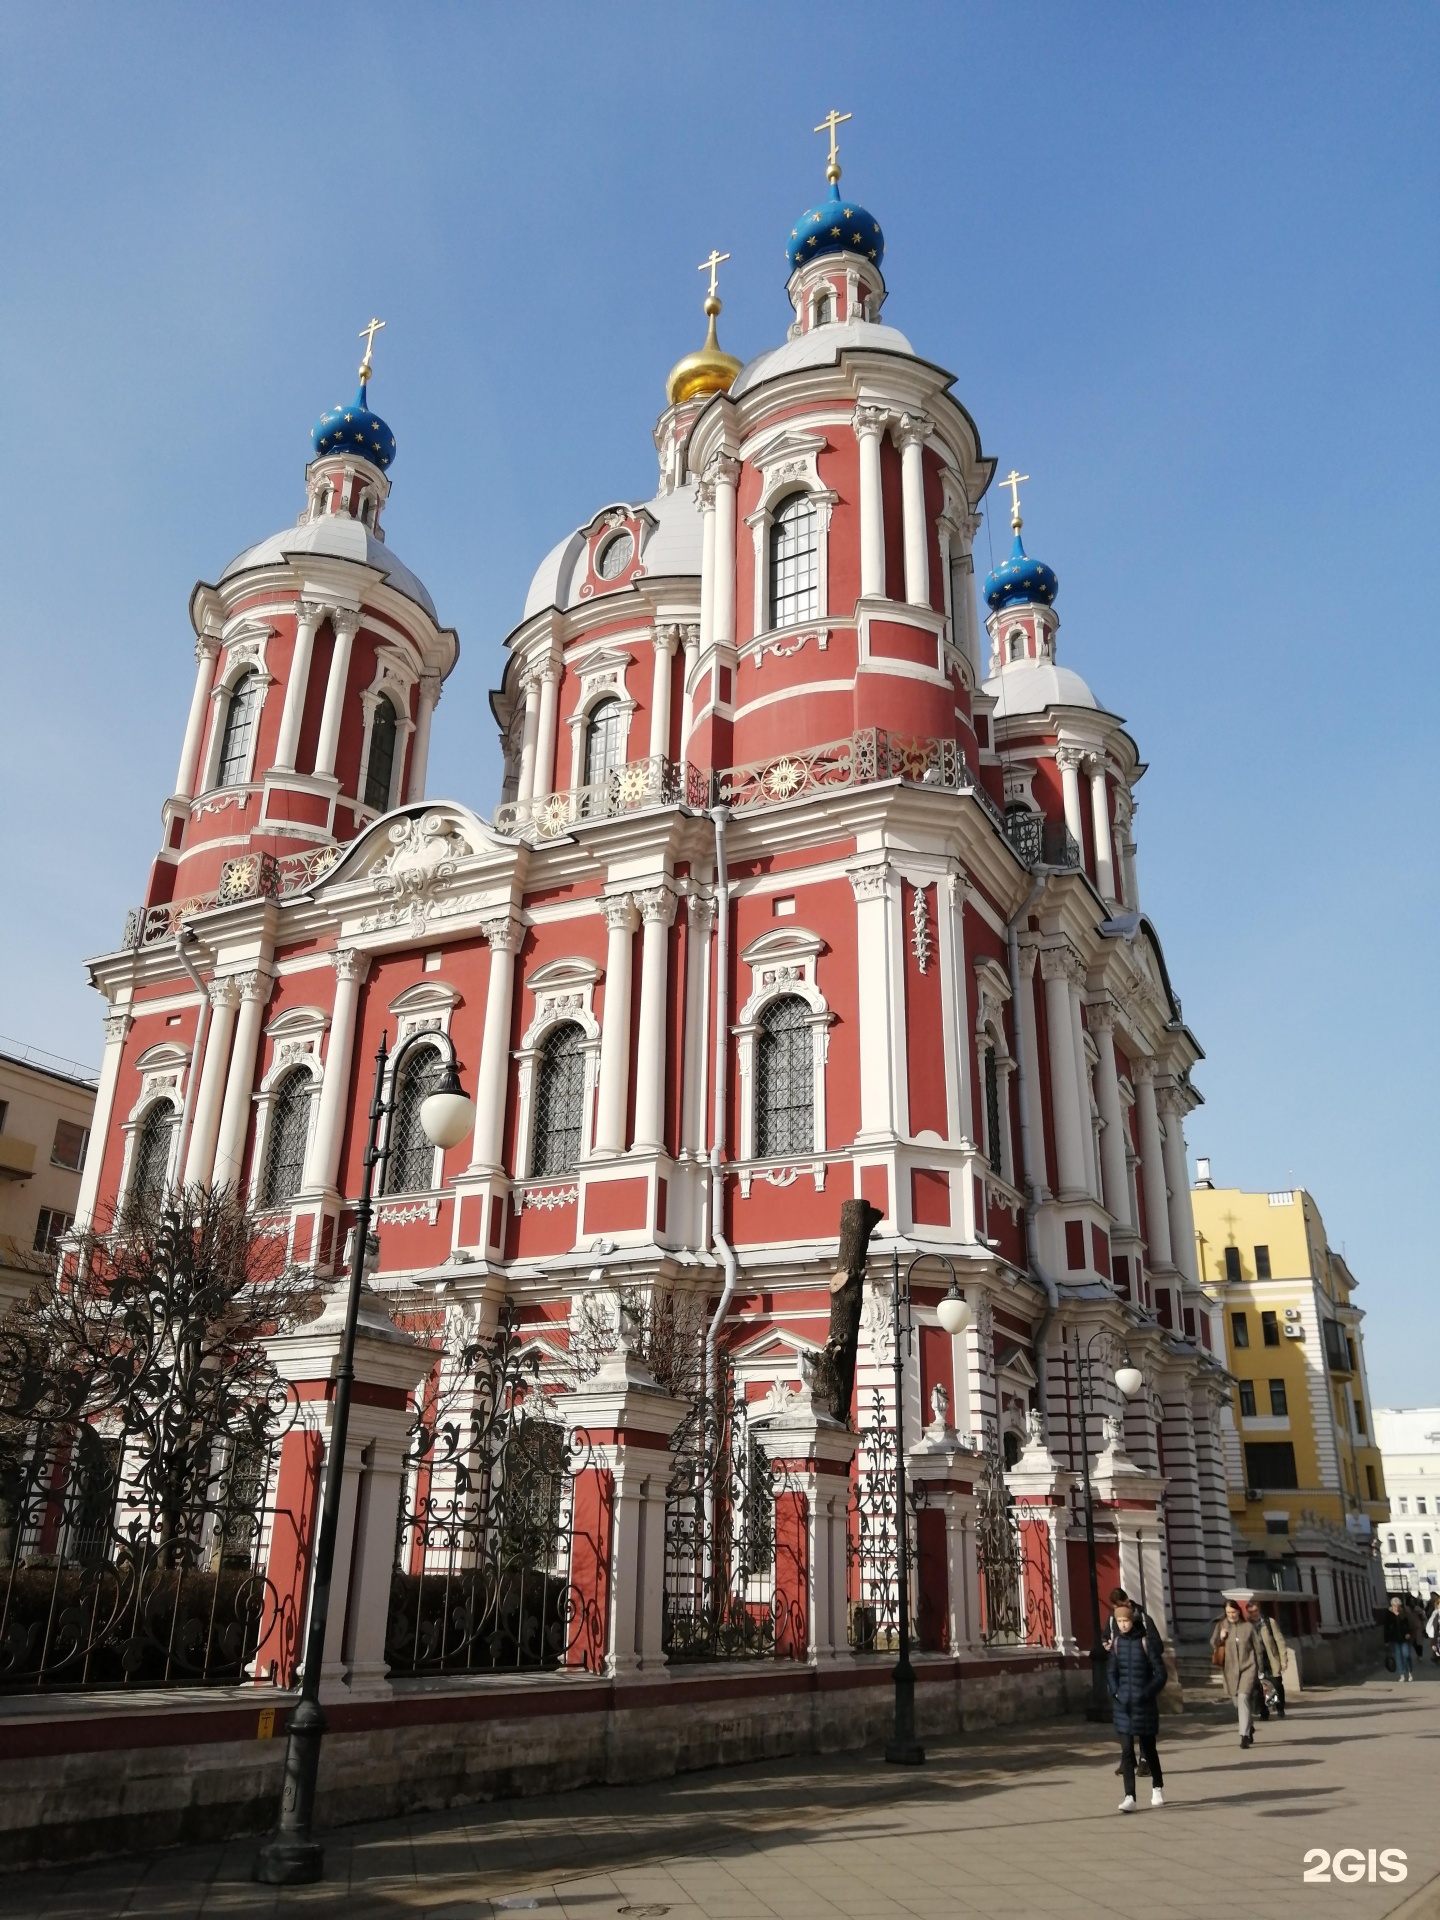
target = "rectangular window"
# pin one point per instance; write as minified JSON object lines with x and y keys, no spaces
{"x":51,"y":1228}
{"x":1277,"y":1526}
{"x":1372,"y":1488}
{"x":1350,"y":1349}
{"x":1075,"y":1245}
{"x":1404,"y":1504}
{"x":1232,"y":1263}
{"x":4,"y":1109}
{"x":1278,"y":1405}
{"x":1337,"y":1358}
{"x":70,"y":1143}
{"x":1239,"y":1330}
{"x":1163,"y":1311}
{"x":1262,"y":1263}
{"x":1247,"y":1399}
{"x":1420,"y":1504}
{"x":1270,"y":1328}
{"x":1270,"y":1464}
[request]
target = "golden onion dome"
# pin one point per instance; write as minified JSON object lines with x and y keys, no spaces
{"x":708,"y":370}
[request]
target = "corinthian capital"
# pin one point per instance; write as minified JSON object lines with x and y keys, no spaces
{"x":701,"y":915}
{"x":346,"y":623}
{"x":117,"y":1028}
{"x":309,"y":613}
{"x":351,"y":964}
{"x":1070,"y":758}
{"x":1101,"y":1014}
{"x":911,"y":429}
{"x":254,"y":985}
{"x":705,"y":495}
{"x":225,"y":992}
{"x":1057,"y":963}
{"x":867,"y":419}
{"x":503,"y":934}
{"x":658,"y":903}
{"x":430,"y":689}
{"x":723,"y":470}
{"x":869,"y":883}
{"x":619,"y":912}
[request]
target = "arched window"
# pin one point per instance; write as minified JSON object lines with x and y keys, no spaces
{"x":1013,"y":1447}
{"x":380,"y":768}
{"x":150,"y":1175}
{"x":239,"y":727}
{"x":1017,"y":645}
{"x":559,"y":1102}
{"x":794,"y":562}
{"x":992,"y":1112}
{"x":604,"y":741}
{"x":784,"y":1080}
{"x":412,"y":1152}
{"x":323,"y":497}
{"x":289,"y":1135}
{"x":824,"y":310}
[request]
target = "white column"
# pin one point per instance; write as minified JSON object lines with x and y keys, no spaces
{"x":1177,"y":1178}
{"x":346,"y":626}
{"x":206,"y":647}
{"x":615,"y":1035}
{"x":530,"y":729}
{"x":657,"y":912}
{"x":240,"y":1085}
{"x":911,"y":435}
{"x":308,"y":615}
{"x":544,"y":781}
{"x":1100,"y":822}
{"x":878,"y":1116}
{"x":699,"y":923}
{"x":705,"y":499}
{"x":869,"y":425}
{"x":692,"y":658}
{"x":1152,"y":1167}
{"x":205,"y":1122}
{"x":322,"y":1169}
{"x":1124,"y":815}
{"x":429,"y":699}
{"x":727,"y":476}
{"x":1068,"y":760}
{"x":665,"y":642}
{"x":492,"y":1080}
{"x":117,"y":1031}
{"x":1082,"y":1080}
{"x":1114,"y":1170}
{"x":1030,"y":1068}
{"x":1064,"y":1087}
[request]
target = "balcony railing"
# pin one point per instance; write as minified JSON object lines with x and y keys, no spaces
{"x":253,"y":876}
{"x":631,"y":788}
{"x":1041,"y":842}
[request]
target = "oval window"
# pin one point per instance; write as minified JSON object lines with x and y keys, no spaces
{"x":615,"y":556}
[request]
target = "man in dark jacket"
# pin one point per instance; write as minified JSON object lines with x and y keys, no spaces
{"x":1136,"y":1675}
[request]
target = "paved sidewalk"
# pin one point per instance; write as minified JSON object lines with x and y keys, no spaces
{"x":1016,"y":1824}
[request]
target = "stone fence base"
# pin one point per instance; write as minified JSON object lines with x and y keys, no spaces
{"x":84,"y":1776}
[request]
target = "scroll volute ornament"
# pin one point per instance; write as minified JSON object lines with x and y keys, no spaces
{"x":835,"y":1374}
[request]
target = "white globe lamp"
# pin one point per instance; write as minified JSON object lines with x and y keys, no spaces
{"x":447,"y":1115}
{"x":953,"y":1314}
{"x":1130,"y":1381}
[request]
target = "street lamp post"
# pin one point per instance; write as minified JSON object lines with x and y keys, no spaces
{"x":291,"y":1856}
{"x":904,"y":1750}
{"x":1129,"y":1380}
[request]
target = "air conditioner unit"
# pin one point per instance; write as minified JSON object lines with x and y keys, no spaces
{"x":1292,"y":1332}
{"x":1292,"y":1313}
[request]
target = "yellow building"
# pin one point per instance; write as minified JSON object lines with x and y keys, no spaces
{"x":1307,"y":1491}
{"x":46,"y":1105}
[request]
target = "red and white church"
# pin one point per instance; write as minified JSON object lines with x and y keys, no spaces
{"x":810,"y":879}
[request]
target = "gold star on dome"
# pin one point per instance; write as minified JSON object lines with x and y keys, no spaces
{"x":857,"y":238}
{"x":814,"y":238}
{"x":794,"y":233}
{"x":849,"y":213}
{"x":836,"y":232}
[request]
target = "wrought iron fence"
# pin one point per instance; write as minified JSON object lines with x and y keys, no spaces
{"x":636,"y":784}
{"x":872,"y":1550}
{"x":872,"y":753}
{"x":1041,"y":842}
{"x":251,"y":876}
{"x":133,"y":1544}
{"x":482,"y":1575}
{"x":997,"y":1550}
{"x":720,"y":1591}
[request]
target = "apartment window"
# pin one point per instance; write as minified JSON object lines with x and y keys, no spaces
{"x":1425,"y":1543}
{"x":1350,"y":1349}
{"x":1372,"y":1485}
{"x":1409,"y":1543}
{"x":1276,"y":1526}
{"x":1390,"y":1543}
{"x":1262,"y":1263}
{"x":1232,"y":1263}
{"x":4,"y":1109}
{"x":1404,"y":1504}
{"x":1336,"y":1356}
{"x":1247,"y":1399}
{"x":1420,"y":1506}
{"x":1239,"y":1330}
{"x":51,"y":1228}
{"x":70,"y":1143}
{"x":1278,"y":1405}
{"x":1270,"y":1328}
{"x":1270,"y":1465}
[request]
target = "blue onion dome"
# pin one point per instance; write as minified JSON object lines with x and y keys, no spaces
{"x":837,"y":225}
{"x":1021,"y":581}
{"x":354,"y":429}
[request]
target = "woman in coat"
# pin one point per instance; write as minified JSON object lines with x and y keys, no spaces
{"x":1136,"y":1674}
{"x":1236,"y":1636}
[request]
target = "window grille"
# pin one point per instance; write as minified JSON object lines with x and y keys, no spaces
{"x":784,"y":1080}
{"x":239,"y":726}
{"x":412,"y":1152}
{"x":559,"y":1101}
{"x":992,"y":1110}
{"x":794,"y":563}
{"x":289,"y":1135}
{"x":152,"y":1160}
{"x":604,"y":741}
{"x":380,"y":768}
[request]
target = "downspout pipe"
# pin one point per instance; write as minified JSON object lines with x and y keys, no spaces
{"x":1039,"y":1337}
{"x":202,"y":1022}
{"x":720,"y":816}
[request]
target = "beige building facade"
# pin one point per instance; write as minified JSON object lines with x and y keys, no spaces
{"x":46,"y":1108}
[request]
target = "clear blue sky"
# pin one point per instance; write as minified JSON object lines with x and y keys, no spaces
{"x":1182,"y":261}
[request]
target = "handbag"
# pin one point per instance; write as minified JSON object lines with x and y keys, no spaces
{"x":1217,"y":1655}
{"x":1389,"y":1661}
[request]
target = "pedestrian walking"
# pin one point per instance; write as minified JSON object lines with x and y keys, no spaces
{"x":1272,"y":1660}
{"x":1136,"y":1674}
{"x":1399,"y":1652}
{"x":1234,"y":1647}
{"x":1432,"y":1626}
{"x":1119,"y":1598}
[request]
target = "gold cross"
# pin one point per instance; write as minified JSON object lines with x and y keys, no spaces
{"x":828,"y":125}
{"x":710,"y":266}
{"x":367,"y":334}
{"x":1012,"y":480}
